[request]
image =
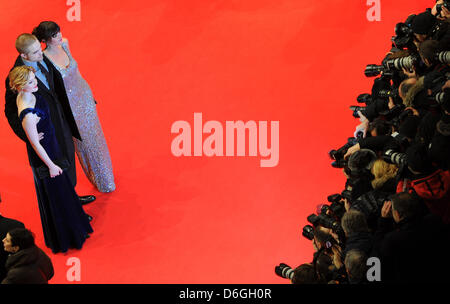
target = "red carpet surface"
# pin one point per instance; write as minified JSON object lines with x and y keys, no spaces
{"x":200,"y":219}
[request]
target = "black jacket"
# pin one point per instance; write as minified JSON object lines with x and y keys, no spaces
{"x":28,"y":266}
{"x":6,"y":225}
{"x":413,"y":250}
{"x":361,"y":241}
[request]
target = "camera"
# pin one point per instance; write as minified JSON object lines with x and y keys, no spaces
{"x":308,"y":232}
{"x":404,"y":36}
{"x":355,"y":110}
{"x":324,"y":221}
{"x":396,"y":158}
{"x":390,"y":65}
{"x":284,"y":271}
{"x":391,"y":114}
{"x":446,"y":4}
{"x":364,"y":98}
{"x":338,"y":155}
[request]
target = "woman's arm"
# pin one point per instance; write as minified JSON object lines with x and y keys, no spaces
{"x":29,"y":124}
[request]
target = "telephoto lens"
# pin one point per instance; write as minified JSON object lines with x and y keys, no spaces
{"x":364,"y":98}
{"x":308,"y":232}
{"x":284,"y":271}
{"x":444,"y":57}
{"x":395,"y":158}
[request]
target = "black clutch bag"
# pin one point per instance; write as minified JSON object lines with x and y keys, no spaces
{"x":43,"y":172}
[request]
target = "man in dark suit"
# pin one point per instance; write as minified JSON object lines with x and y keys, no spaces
{"x":51,"y":88}
{"x":6,"y":225}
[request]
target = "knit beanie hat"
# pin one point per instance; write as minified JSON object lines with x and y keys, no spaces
{"x":423,"y":23}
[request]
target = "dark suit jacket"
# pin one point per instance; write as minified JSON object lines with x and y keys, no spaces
{"x":61,"y":97}
{"x":6,"y":225}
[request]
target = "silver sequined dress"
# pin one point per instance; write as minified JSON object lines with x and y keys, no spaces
{"x":92,"y":151}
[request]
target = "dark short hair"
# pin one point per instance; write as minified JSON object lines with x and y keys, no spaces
{"x":428,"y":50}
{"x":381,"y":126}
{"x":304,"y":274}
{"x":21,"y":237}
{"x":406,"y":204}
{"x":354,"y":221}
{"x":45,"y":30}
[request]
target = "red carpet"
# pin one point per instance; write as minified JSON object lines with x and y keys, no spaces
{"x":151,"y":63}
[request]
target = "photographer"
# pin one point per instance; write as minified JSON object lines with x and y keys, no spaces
{"x":358,"y":171}
{"x":407,"y":235}
{"x":428,"y":182}
{"x":440,"y":143}
{"x":355,"y":265}
{"x":426,"y":26}
{"x":356,"y":232}
{"x":384,"y":184}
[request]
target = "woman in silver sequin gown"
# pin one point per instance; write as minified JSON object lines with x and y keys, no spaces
{"x":92,"y":151}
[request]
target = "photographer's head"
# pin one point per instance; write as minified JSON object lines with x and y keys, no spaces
{"x":354,"y":221}
{"x":405,"y":206}
{"x":428,"y":50}
{"x":305,"y":274}
{"x":422,"y":25}
{"x":379,"y":127}
{"x":356,"y":266}
{"x":408,"y":127}
{"x":418,"y":160}
{"x":321,"y":237}
{"x":361,"y":160}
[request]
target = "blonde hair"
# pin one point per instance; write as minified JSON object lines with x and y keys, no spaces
{"x":19,"y":77}
{"x":382,"y":172}
{"x":24,"y":41}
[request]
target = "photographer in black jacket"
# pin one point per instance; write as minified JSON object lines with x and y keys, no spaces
{"x":407,"y":237}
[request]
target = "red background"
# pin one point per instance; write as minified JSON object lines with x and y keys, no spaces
{"x":150,"y":63}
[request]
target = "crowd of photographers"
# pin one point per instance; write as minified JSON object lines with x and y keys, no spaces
{"x":391,"y":222}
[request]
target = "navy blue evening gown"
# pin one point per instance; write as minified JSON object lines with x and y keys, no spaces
{"x":64,"y":222}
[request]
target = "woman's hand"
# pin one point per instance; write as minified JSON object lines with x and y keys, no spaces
{"x":54,"y":170}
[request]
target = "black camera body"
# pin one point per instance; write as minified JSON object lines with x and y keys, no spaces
{"x":338,"y":155}
{"x":439,"y":6}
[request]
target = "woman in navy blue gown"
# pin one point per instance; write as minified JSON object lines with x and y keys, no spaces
{"x":64,"y":222}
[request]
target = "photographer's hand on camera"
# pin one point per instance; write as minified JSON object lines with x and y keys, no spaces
{"x":351,"y":150}
{"x":386,"y":210}
{"x":410,"y":73}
